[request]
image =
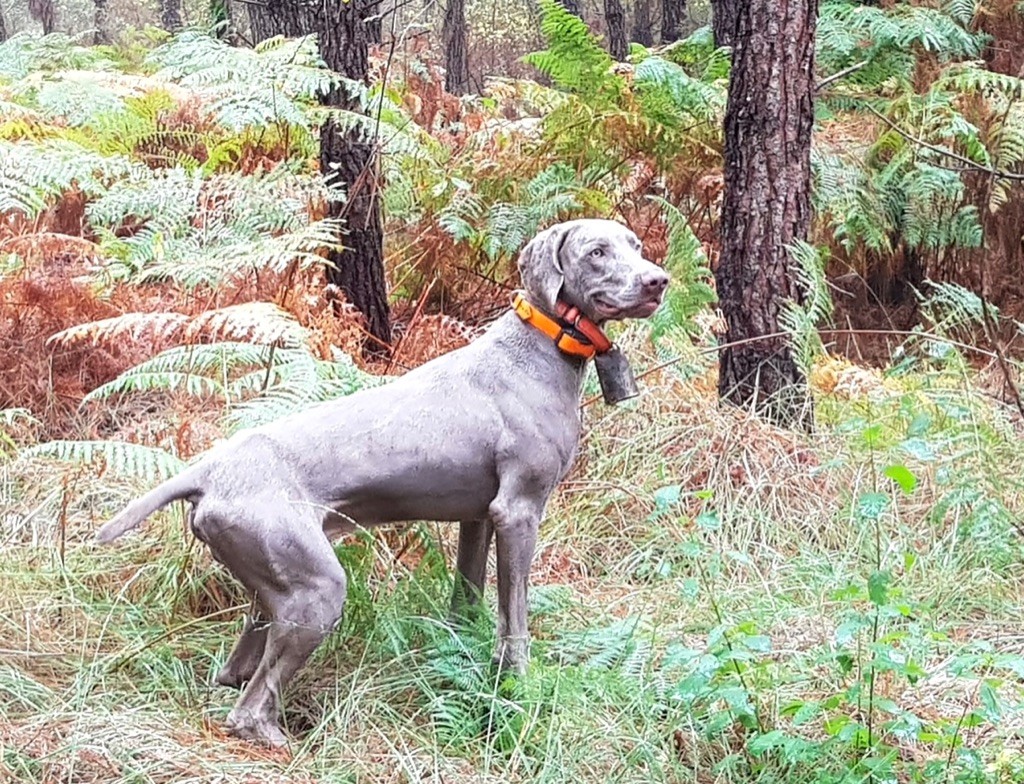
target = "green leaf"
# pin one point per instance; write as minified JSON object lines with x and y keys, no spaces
{"x":993,"y":709}
{"x":768,"y":741}
{"x":902,"y":476}
{"x":871,"y":506}
{"x":878,"y":588}
{"x":919,"y":425}
{"x":709,"y":521}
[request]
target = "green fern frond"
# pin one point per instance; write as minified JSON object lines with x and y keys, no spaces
{"x":801,"y":320}
{"x":155,"y":326}
{"x":77,"y":98}
{"x":600,"y":648}
{"x":699,"y":56}
{"x":199,"y":370}
{"x":141,"y":380}
{"x":278,"y":81}
{"x":689,"y":291}
{"x":256,"y":322}
{"x":26,"y":53}
{"x":668,"y":92}
{"x":34,"y":174}
{"x":553,"y":194}
{"x":952,"y":308}
{"x":249,"y":223}
{"x":230,"y":256}
{"x":963,"y":11}
{"x":930,"y":189}
{"x":884,"y":42}
{"x":297,"y":380}
{"x":118,"y":457}
{"x":574,"y":58}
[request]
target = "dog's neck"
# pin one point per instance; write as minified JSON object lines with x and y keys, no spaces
{"x":533,"y":351}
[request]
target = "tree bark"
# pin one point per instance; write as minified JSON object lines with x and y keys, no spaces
{"x":615,"y":19}
{"x":456,"y":79}
{"x":3,"y":26}
{"x":99,"y":22}
{"x":572,"y":6}
{"x":347,"y":155}
{"x":642,"y":32}
{"x":45,"y":12}
{"x":673,"y":13}
{"x":170,"y":15}
{"x":766,"y":204}
{"x":724,"y":17}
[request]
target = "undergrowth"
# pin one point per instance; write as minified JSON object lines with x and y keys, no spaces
{"x":745,"y":606}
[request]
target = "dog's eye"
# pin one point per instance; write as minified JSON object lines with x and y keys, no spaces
{"x":597,"y":253}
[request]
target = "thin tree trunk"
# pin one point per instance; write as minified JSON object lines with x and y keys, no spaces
{"x":642,"y":28}
{"x":224,"y":26}
{"x":615,"y":19}
{"x":373,"y":17}
{"x":99,"y":22}
{"x":766,"y":205}
{"x":170,"y":15}
{"x":572,"y":6}
{"x":349,"y":155}
{"x":724,"y":17}
{"x":456,"y":80}
{"x":3,"y":26}
{"x":673,"y":13}
{"x":45,"y":12}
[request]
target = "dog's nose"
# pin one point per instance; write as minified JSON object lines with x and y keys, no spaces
{"x":655,"y":281}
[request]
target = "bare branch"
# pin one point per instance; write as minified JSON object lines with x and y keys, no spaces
{"x":839,"y":75}
{"x":997,"y":173}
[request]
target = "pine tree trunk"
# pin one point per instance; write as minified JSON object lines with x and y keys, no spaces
{"x":642,"y":28}
{"x":45,"y":12}
{"x":766,"y":204}
{"x":673,"y":13}
{"x":99,"y":22}
{"x":347,"y":155}
{"x":572,"y":6}
{"x":170,"y":15}
{"x":615,"y":19}
{"x":456,"y":80}
{"x":724,"y":17}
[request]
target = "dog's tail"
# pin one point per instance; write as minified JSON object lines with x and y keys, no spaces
{"x":185,"y":485}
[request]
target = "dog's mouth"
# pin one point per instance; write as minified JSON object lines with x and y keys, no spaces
{"x":607,"y":309}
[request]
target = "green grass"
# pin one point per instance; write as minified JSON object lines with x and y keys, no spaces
{"x":713,"y":601}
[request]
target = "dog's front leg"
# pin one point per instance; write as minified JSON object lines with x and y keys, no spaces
{"x":470,"y":567}
{"x":515,"y":525}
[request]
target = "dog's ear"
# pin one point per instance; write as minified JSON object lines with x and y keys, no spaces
{"x":540,"y":266}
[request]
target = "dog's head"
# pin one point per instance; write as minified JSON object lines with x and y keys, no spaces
{"x":595,"y":265}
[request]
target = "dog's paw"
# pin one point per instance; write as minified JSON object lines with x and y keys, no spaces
{"x":512,"y":655}
{"x":262,"y":731}
{"x":230,"y":677}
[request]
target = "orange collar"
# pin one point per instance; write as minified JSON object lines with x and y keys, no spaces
{"x":574,"y":334}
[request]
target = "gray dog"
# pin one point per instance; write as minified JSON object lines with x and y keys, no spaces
{"x":481,"y":435}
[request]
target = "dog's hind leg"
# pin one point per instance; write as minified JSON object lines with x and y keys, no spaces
{"x":245,"y":656}
{"x":471,"y":567}
{"x":288,"y":563}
